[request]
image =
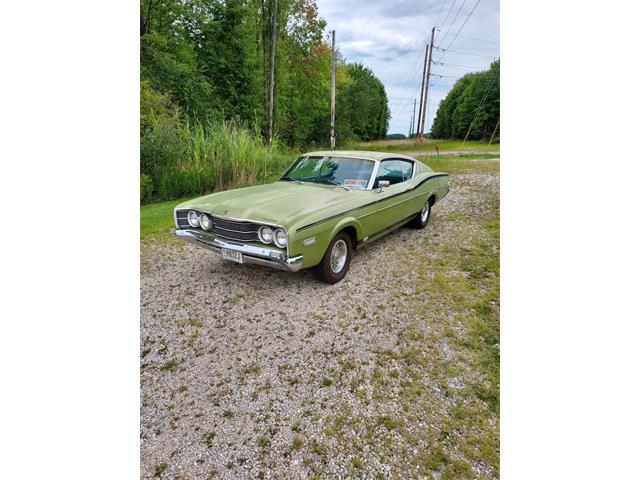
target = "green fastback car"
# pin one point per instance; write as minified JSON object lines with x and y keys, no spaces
{"x":324,"y":207}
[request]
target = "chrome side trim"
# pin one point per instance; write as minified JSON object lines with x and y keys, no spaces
{"x":394,"y":205}
{"x":250,"y":254}
{"x":385,"y":231}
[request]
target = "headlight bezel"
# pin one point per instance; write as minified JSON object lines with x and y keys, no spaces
{"x":208,"y":219}
{"x":196,"y":222}
{"x":275,"y":238}
{"x":265,"y":228}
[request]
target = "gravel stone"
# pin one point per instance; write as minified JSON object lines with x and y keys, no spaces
{"x":238,"y":360}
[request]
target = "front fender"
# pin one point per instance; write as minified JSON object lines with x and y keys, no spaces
{"x":344,"y":223}
{"x":323,"y":234}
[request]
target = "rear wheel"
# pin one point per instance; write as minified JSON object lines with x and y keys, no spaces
{"x":336,"y":260}
{"x":422,"y":218}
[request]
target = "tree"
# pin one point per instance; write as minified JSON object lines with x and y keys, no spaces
{"x":362,"y":107}
{"x":472,"y":105}
{"x":211,"y":59}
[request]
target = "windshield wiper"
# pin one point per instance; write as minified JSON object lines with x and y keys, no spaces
{"x":335,"y":183}
{"x":289,"y":179}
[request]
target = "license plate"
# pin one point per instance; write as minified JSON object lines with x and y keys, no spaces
{"x":232,"y":255}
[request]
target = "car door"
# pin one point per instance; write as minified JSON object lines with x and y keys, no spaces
{"x":392,"y":204}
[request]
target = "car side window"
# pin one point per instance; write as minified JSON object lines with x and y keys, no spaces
{"x":395,"y":171}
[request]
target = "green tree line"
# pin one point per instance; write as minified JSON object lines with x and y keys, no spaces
{"x":472,"y":106}
{"x":204,"y":67}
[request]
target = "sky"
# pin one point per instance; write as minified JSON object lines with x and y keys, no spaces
{"x":390,"y":38}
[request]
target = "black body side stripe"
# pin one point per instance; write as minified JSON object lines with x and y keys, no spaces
{"x":429,"y":178}
{"x":369,"y":204}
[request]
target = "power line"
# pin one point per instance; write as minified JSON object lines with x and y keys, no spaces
{"x":452,"y":23}
{"x":406,"y":85}
{"x":463,"y":24}
{"x":445,"y":18}
{"x":442,"y":4}
{"x":456,"y":65}
{"x":478,"y":40}
{"x":462,"y":53}
{"x":443,"y":76}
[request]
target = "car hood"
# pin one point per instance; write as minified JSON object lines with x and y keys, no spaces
{"x":280,"y":202}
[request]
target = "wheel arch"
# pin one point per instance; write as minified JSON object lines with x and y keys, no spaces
{"x":350,"y":225}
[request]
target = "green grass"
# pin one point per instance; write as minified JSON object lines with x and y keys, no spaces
{"x":388,"y":422}
{"x":428,"y":146}
{"x":326,"y":382}
{"x":297,"y":443}
{"x":156,"y":219}
{"x":160,"y":468}
{"x":457,"y":164}
{"x":208,"y":438}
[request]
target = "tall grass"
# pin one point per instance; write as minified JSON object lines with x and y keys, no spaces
{"x":179,"y":159}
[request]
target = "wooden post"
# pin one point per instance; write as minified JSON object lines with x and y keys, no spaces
{"x":274,"y":27}
{"x":424,"y":75}
{"x":426,"y":86}
{"x":333,"y":89}
{"x":494,"y":132}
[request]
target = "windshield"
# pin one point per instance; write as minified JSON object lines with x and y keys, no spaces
{"x":347,"y":172}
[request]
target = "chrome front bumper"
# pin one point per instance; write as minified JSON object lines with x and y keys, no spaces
{"x":250,"y":254}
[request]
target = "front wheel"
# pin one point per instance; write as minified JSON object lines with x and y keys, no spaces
{"x":336,"y":260}
{"x":422,"y":218}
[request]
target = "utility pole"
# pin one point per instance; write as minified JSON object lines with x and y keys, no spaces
{"x":426,"y":87}
{"x":494,"y":132}
{"x":424,"y":75}
{"x":333,"y":89}
{"x":413,"y":118}
{"x":274,"y":27}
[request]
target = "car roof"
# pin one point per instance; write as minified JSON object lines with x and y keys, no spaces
{"x":359,"y":154}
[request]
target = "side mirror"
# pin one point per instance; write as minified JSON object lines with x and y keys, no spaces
{"x":382,"y":184}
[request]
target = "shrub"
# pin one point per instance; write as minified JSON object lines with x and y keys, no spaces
{"x":183,"y":181}
{"x":161,"y":146}
{"x":146,"y":188}
{"x":179,"y":159}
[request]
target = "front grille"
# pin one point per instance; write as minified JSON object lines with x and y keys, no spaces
{"x":234,"y":230}
{"x":224,"y":228}
{"x":181,"y":216}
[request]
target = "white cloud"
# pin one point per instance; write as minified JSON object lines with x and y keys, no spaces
{"x":390,"y":38}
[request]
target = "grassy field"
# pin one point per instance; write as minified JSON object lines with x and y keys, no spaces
{"x":428,"y":146}
{"x":156,"y":219}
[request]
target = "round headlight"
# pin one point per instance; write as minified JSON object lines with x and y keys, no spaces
{"x":265,"y":234}
{"x":193,"y":219}
{"x":280,"y":238}
{"x":206,"y":222}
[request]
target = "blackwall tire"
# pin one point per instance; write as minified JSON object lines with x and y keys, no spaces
{"x":337,"y":259}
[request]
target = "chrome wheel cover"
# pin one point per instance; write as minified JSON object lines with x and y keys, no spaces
{"x":424,"y":213}
{"x":338,"y":256}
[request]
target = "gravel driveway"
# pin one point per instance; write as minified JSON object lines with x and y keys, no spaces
{"x":248,"y":372}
